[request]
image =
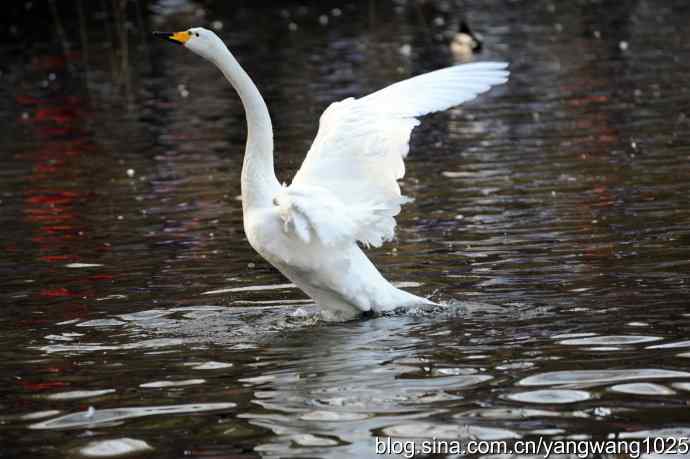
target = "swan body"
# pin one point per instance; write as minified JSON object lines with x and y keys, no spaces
{"x":346,"y":192}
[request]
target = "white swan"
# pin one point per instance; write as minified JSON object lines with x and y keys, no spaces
{"x":346,"y":190}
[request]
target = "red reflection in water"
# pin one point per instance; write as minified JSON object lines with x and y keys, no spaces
{"x":596,"y":135}
{"x":34,"y":386}
{"x":54,"y":258}
{"x":57,"y":292}
{"x":50,"y":207}
{"x":49,"y":63}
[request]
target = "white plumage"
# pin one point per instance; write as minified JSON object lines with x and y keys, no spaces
{"x":347,"y":188}
{"x":359,"y":151}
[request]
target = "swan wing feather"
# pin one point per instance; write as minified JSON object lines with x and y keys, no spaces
{"x":313,"y":213}
{"x":357,"y":157}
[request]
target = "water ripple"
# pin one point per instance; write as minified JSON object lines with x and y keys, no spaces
{"x":79,"y":394}
{"x":114,"y":447}
{"x":598,"y":376}
{"x":96,"y":418}
{"x":642,"y":389}
{"x":609,"y":340}
{"x":550,"y":396}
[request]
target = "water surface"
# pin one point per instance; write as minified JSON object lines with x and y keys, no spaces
{"x":551,"y":216}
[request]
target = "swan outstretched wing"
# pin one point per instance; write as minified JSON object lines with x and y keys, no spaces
{"x":351,"y":172}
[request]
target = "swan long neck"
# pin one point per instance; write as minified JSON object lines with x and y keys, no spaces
{"x":259,"y":182}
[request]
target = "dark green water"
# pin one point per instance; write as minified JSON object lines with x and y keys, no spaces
{"x":551,"y":214}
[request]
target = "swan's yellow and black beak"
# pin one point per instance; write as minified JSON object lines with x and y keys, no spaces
{"x":176,"y":37}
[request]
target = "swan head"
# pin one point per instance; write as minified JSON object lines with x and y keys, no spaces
{"x":200,"y":41}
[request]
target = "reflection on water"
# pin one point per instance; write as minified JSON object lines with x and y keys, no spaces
{"x":550,"y":219}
